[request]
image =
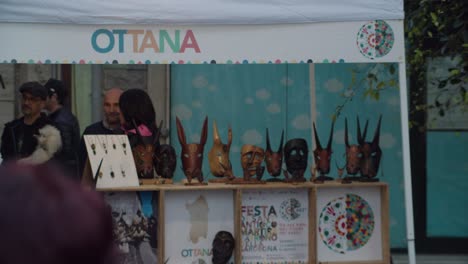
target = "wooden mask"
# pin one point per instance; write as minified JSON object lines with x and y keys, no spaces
{"x":274,"y":160}
{"x":143,"y":153}
{"x":192,"y":154}
{"x":322,"y":156}
{"x":371,"y":152}
{"x":220,"y":165}
{"x":166,"y":161}
{"x":251,"y":159}
{"x":353,"y":153}
{"x":296,"y":153}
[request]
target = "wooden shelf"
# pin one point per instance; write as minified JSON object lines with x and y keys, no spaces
{"x":313,"y":194}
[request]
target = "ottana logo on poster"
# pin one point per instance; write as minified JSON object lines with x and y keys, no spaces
{"x":375,"y":39}
{"x":291,"y":209}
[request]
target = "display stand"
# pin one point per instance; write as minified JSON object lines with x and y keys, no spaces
{"x":300,"y":211}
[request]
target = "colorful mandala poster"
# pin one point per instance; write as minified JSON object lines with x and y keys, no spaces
{"x":349,"y":224}
{"x":192,"y":220}
{"x":274,"y":226}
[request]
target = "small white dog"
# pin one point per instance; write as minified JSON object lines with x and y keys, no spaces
{"x":48,"y":143}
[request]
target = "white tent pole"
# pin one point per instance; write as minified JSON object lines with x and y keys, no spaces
{"x":407,"y":163}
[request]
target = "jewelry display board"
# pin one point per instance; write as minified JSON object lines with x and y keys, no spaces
{"x":328,"y":223}
{"x":111,"y":161}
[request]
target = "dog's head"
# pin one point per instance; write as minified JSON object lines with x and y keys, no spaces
{"x":49,"y":138}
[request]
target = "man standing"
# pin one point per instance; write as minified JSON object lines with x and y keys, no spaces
{"x":109,"y":125}
{"x":20,"y":136}
{"x":66,"y":123}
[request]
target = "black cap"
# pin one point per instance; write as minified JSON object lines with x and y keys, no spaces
{"x":55,"y":86}
{"x":35,"y":89}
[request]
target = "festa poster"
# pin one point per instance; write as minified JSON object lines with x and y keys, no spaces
{"x":274,"y":226}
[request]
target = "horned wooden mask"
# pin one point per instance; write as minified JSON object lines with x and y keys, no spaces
{"x":252,"y":158}
{"x":220,"y":165}
{"x":192,"y":154}
{"x":371,"y":152}
{"x":296,"y":153}
{"x":353,"y":153}
{"x":144,"y":152}
{"x":322,"y":156}
{"x":274,"y":160}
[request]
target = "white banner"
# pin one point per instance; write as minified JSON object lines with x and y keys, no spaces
{"x":365,"y":41}
{"x":191,"y":12}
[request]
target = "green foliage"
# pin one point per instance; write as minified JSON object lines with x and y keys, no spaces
{"x":369,"y":82}
{"x":436,"y":29}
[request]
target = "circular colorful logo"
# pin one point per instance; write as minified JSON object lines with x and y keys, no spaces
{"x":291,"y":209}
{"x":346,"y":223}
{"x":375,"y":39}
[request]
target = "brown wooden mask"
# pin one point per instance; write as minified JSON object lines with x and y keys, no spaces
{"x":220,"y":165}
{"x":322,"y":156}
{"x":251,"y":159}
{"x":353,"y":153}
{"x":296,"y":154}
{"x":192,"y":154}
{"x":371,"y":152}
{"x":274,"y":160}
{"x":166,"y":161}
{"x":143,"y":153}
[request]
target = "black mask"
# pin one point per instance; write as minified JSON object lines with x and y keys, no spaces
{"x":296,"y":153}
{"x":165,"y":160}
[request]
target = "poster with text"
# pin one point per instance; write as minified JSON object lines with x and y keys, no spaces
{"x":349,"y":224}
{"x":192,"y":220}
{"x":275,"y":226}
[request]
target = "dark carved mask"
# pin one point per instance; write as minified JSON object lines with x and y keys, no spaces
{"x":322,"y":156}
{"x":252,"y":158}
{"x":223,"y":246}
{"x":371,"y":152}
{"x":166,"y":161}
{"x":274,"y":160}
{"x":296,"y":153}
{"x":353,"y":154}
{"x":218,"y":156}
{"x":143,"y":150}
{"x":192,"y":154}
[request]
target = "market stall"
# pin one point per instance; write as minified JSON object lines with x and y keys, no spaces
{"x":222,"y":32}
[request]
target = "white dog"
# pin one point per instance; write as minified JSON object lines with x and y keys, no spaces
{"x":48,"y":143}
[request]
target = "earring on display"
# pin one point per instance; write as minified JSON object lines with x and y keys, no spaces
{"x":112,"y":174}
{"x":113,"y":143}
{"x":103,"y":144}
{"x":122,"y":171}
{"x":124,"y":145}
{"x":93,"y":145}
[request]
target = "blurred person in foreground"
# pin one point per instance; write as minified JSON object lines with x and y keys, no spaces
{"x":50,"y":219}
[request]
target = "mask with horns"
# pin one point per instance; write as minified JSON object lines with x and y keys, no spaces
{"x":371,"y":152}
{"x":274,"y":160}
{"x":322,"y":156}
{"x":220,"y":165}
{"x":192,"y":154}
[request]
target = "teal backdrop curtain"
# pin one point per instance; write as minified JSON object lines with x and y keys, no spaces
{"x":252,"y":97}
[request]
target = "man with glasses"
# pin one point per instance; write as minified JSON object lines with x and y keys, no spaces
{"x":20,"y":136}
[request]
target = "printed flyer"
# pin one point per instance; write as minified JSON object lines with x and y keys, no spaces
{"x":274,"y":226}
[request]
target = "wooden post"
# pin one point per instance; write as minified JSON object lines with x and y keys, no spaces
{"x":161,"y":227}
{"x":312,"y":225}
{"x":237,"y":226}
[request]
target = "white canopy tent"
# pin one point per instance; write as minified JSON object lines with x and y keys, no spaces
{"x":203,"y":31}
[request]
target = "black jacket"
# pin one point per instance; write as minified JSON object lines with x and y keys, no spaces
{"x":18,"y":139}
{"x":69,"y":128}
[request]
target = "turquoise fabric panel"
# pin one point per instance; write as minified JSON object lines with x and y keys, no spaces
{"x":335,"y":87}
{"x":447,"y":184}
{"x":250,"y":98}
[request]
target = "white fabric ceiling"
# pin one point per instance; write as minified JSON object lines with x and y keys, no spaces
{"x":197,"y":11}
